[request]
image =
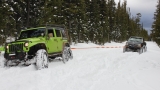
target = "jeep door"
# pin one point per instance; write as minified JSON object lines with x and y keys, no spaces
{"x":51,"y":41}
{"x":59,"y":40}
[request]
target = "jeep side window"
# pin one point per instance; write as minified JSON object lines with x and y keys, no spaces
{"x":50,"y":33}
{"x":58,"y":33}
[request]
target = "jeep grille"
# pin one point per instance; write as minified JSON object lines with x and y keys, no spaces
{"x":15,"y":47}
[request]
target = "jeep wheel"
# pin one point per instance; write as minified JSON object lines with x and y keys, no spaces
{"x":70,"y":53}
{"x":8,"y":63}
{"x":65,"y":54}
{"x":3,"y":63}
{"x":124,"y":49}
{"x":140,"y":50}
{"x":145,"y":48}
{"x":41,"y":59}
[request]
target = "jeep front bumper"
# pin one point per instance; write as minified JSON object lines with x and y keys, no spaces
{"x":13,"y":56}
{"x":133,"y":46}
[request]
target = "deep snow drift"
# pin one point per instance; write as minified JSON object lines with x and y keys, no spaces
{"x":90,"y":69}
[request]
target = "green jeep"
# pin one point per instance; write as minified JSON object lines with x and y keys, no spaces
{"x":38,"y":45}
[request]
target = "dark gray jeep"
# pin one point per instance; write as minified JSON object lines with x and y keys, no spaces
{"x":136,"y":44}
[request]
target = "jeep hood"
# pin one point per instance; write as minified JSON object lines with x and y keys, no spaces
{"x":29,"y":40}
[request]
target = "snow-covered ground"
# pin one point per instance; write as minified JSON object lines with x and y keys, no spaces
{"x":90,"y":69}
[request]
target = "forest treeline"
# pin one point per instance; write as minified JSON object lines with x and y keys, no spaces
{"x":97,"y":21}
{"x":155,"y":33}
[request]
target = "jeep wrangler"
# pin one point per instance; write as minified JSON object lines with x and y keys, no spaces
{"x":135,"y":43}
{"x":38,"y":45}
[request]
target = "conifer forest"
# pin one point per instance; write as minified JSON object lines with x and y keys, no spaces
{"x":97,"y":21}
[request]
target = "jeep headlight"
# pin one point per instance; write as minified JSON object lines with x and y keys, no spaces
{"x":7,"y":46}
{"x":139,"y":45}
{"x":26,"y":44}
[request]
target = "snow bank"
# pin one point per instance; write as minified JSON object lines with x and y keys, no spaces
{"x":90,"y":69}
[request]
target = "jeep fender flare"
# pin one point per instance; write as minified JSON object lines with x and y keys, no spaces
{"x":33,"y":49}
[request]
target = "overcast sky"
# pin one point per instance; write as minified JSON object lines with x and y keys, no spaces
{"x":145,"y":7}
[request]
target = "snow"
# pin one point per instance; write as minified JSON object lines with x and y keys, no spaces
{"x":10,"y":39}
{"x":90,"y":69}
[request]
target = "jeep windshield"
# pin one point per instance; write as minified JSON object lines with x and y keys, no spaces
{"x":31,"y":33}
{"x":135,"y":39}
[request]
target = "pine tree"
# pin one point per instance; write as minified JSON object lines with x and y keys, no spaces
{"x":103,"y":35}
{"x":156,"y":26}
{"x":95,"y":19}
{"x":81,"y":20}
{"x":124,"y":20}
{"x":111,"y":17}
{"x":98,"y":21}
{"x":118,"y":23}
{"x":26,"y":12}
{"x":52,"y":12}
{"x":7,"y":24}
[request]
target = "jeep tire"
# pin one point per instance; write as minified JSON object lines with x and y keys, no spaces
{"x":41,"y":59}
{"x":140,"y":51}
{"x":66,"y":54}
{"x":145,"y":48}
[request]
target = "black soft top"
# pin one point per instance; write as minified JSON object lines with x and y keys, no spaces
{"x":58,"y":27}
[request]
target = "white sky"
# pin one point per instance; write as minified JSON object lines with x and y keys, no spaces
{"x":145,"y":7}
